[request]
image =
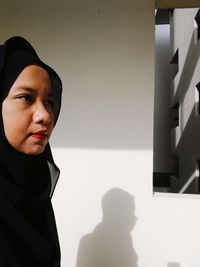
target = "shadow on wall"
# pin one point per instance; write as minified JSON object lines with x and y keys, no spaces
{"x":106,"y":62}
{"x":103,"y":51}
{"x":110,"y":244}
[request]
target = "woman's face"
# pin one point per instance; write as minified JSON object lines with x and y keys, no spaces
{"x":27,"y":111}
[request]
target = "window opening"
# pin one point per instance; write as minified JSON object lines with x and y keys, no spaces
{"x":174,"y":112}
{"x":197,"y":25}
{"x":175,"y":167}
{"x":176,"y":136}
{"x":175,"y":63}
{"x":197,"y":99}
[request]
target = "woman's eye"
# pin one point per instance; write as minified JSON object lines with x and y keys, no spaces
{"x":25,"y":98}
{"x":49,"y":103}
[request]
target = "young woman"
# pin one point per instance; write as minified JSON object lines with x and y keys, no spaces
{"x":30,"y":97}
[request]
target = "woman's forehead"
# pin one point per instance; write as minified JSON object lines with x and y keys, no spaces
{"x":31,"y":79}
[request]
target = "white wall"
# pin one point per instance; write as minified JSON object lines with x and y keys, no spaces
{"x":104,"y":52}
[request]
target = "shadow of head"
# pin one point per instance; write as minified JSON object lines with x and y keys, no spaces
{"x":119,"y":209}
{"x":110,"y":243}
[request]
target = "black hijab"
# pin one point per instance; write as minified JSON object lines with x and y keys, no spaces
{"x":28,"y":235}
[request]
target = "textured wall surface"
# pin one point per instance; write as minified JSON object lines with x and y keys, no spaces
{"x":184,"y":92}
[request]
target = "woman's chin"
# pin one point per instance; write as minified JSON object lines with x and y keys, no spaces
{"x":33,"y":150}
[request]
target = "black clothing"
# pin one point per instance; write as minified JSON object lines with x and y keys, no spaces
{"x":28,"y":234}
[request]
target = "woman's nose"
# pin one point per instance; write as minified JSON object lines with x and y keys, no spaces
{"x":41,"y":114}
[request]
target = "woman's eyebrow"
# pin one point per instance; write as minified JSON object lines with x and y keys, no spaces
{"x":25,"y":88}
{"x":32,"y":90}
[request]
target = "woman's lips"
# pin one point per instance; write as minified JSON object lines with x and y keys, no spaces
{"x":41,"y":135}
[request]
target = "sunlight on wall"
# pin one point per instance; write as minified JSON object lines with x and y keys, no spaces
{"x":86,"y":175}
{"x":162,"y":221}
